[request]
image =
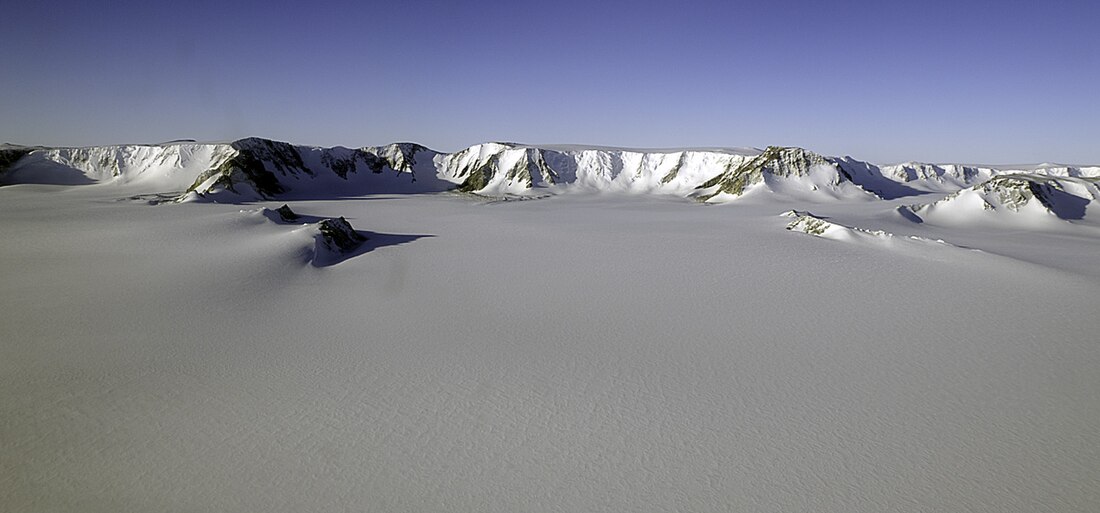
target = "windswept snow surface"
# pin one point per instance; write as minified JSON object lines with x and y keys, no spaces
{"x":582,"y":352}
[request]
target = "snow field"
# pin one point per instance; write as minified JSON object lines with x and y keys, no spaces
{"x":584,"y":352}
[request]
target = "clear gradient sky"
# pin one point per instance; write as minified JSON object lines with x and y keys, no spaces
{"x":885,"y":81}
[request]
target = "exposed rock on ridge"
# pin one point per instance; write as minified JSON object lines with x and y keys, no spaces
{"x":257,"y":169}
{"x":1041,"y":195}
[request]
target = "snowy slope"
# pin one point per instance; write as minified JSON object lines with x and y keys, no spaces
{"x":261,"y":168}
{"x":495,"y":168}
{"x":792,"y":172}
{"x":1026,"y":199}
{"x":709,"y":175}
{"x":255,"y":169}
{"x":168,"y":167}
{"x":502,"y":168}
{"x":247,"y":169}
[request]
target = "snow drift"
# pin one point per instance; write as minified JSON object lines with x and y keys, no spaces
{"x":321,"y":241}
{"x":817,"y":226}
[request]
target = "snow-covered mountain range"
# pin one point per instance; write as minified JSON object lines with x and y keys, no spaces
{"x":257,"y":169}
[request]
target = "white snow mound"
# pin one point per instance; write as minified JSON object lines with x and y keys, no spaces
{"x":1024,"y":199}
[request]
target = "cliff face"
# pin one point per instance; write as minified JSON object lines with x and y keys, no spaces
{"x":1031,"y":196}
{"x":255,"y":168}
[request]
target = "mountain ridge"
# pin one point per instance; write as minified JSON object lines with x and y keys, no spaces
{"x":256,"y":168}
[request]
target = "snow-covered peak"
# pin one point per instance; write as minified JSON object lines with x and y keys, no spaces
{"x":789,"y":171}
{"x":257,"y":168}
{"x":742,"y":151}
{"x":166,"y":167}
{"x":508,"y":168}
{"x":1020,"y":197}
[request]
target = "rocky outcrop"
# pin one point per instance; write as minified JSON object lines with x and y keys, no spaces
{"x":1039,"y":195}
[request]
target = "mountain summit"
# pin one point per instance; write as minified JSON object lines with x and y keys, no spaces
{"x":259,"y":169}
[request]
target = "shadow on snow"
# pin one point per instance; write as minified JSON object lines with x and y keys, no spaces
{"x":374,"y":240}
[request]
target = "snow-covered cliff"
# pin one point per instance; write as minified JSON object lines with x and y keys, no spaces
{"x":1016,"y":197}
{"x":255,"y":168}
{"x":243,"y":170}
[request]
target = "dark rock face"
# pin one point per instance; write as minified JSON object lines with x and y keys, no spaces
{"x":1014,"y":191}
{"x":479,"y":176}
{"x":338,"y":236}
{"x":286,"y":214}
{"x":284,"y":157}
{"x":775,"y":161}
{"x":271,"y":168}
{"x":528,"y":169}
{"x":247,"y":167}
{"x":9,"y":156}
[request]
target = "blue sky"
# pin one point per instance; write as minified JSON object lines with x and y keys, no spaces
{"x":885,"y":81}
